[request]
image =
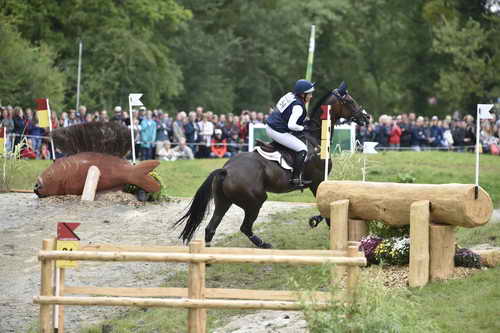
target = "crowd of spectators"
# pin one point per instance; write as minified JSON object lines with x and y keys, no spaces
{"x":203,"y":134}
{"x":407,"y":131}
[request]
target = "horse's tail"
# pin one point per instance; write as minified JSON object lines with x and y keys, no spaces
{"x":199,"y":206}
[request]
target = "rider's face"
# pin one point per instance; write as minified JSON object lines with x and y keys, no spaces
{"x":308,"y":97}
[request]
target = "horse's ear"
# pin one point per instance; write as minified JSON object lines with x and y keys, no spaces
{"x":342,"y":88}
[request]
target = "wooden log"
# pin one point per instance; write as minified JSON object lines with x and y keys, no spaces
{"x":357,"y":229}
{"x":338,"y":231}
{"x":46,"y":287}
{"x":197,"y":318}
{"x":442,"y":251}
{"x":490,"y":258}
{"x":453,"y":204}
{"x":62,"y":273}
{"x":178,"y":303}
{"x":91,"y":182}
{"x":230,"y":293}
{"x":418,"y":275}
{"x":194,"y":257}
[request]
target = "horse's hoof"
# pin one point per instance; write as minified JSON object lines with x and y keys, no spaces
{"x":266,"y":246}
{"x":314,"y":221}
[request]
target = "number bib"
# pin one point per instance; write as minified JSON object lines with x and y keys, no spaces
{"x":285,"y":101}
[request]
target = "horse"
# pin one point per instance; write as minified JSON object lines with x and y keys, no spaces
{"x":245,"y":179}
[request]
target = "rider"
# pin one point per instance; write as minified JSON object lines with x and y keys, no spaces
{"x":287,"y":121}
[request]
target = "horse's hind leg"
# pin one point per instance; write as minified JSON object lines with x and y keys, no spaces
{"x":222,"y":204}
{"x":251,"y":214}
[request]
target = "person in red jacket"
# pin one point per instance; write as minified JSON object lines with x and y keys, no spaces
{"x":219,"y":145}
{"x":395,"y":136}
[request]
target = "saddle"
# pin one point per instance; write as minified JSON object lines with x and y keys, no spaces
{"x":274,"y":147}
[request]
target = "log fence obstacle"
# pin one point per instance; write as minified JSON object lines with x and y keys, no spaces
{"x":196,"y":297}
{"x":432,"y":211}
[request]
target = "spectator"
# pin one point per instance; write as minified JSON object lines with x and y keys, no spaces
{"x":405,"y":126}
{"x":148,"y":136}
{"x":191,"y":130}
{"x":166,"y":153}
{"x":447,"y":135}
{"x":418,"y":137}
{"x":178,"y":127}
{"x":206,"y":132}
{"x":395,"y":134}
{"x":435,"y":133}
{"x":36,"y":134}
{"x":383,"y":131}
{"x":19,"y":125}
{"x":44,"y":152}
{"x":8,"y":125}
{"x":459,"y":135}
{"x":199,"y":113}
{"x":233,"y":145}
{"x":161,"y":132}
{"x":27,"y":151}
{"x":182,"y":151}
{"x":117,"y":117}
{"x":72,"y":118}
{"x":470,"y":132}
{"x":219,"y":145}
{"x":64,"y":122}
{"x":82,"y":113}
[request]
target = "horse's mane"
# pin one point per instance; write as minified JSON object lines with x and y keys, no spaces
{"x":319,"y":103}
{"x":107,"y":138}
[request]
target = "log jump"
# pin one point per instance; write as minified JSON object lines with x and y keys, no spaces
{"x":432,"y":211}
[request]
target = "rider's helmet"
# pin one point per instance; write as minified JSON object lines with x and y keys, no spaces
{"x":303,"y":87}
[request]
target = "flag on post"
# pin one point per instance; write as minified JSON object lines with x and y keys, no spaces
{"x":42,"y":112}
{"x":3,"y":141}
{"x":325,"y":132}
{"x":135,"y":99}
{"x":483,"y":111}
{"x":369,"y":147}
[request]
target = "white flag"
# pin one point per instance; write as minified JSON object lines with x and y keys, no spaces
{"x":484,"y":111}
{"x":369,"y":147}
{"x":135,"y":99}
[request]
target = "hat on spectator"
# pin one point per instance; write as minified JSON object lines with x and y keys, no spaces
{"x":118,"y":109}
{"x":218,"y":131}
{"x":434,"y":118}
{"x":142,"y":108}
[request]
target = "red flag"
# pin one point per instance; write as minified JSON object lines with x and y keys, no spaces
{"x":324,"y":114}
{"x":65,"y":231}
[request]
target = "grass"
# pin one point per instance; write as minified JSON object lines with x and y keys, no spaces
{"x":469,"y":305}
{"x":184,"y":177}
{"x":489,"y":233}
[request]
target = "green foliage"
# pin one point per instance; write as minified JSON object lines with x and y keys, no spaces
{"x":380,"y":229}
{"x":21,"y":84}
{"x":406,"y":178}
{"x":161,"y":195}
{"x":377,"y":309}
{"x":11,"y":167}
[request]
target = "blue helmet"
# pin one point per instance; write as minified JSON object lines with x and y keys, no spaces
{"x":303,"y":87}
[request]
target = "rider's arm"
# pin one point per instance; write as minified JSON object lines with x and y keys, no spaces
{"x":292,"y":122}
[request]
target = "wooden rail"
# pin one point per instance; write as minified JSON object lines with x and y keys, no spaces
{"x":196,"y":297}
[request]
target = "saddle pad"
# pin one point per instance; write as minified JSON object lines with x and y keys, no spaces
{"x":274,"y":156}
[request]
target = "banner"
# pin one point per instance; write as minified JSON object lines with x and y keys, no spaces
{"x":42,"y":112}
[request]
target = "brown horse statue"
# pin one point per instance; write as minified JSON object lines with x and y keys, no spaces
{"x":247,"y":177}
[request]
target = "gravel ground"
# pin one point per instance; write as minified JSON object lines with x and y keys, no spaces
{"x":115,"y":218}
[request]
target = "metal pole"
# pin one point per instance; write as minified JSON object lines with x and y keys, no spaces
{"x":478,"y":129}
{"x":310,"y":56}
{"x":131,"y":128}
{"x":78,"y":76}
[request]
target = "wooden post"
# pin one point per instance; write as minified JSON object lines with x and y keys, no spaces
{"x":197,"y":318}
{"x":418,"y":275}
{"x":339,"y":229}
{"x":61,"y":307}
{"x":357,"y":229}
{"x":442,"y":251}
{"x":352,"y":276}
{"x":91,"y":182}
{"x":46,"y":288}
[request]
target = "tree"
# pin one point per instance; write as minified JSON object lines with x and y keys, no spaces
{"x":20,"y":83}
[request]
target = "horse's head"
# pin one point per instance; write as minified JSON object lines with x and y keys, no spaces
{"x":345,"y":106}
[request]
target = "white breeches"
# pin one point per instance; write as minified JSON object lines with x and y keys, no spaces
{"x":286,"y":139}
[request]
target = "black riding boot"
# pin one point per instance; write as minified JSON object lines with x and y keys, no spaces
{"x":298,"y":167}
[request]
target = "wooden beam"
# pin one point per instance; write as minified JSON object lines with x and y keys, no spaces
{"x":250,"y":294}
{"x":339,"y":231}
{"x":208,"y":258}
{"x":197,"y":318}
{"x":91,"y":182}
{"x":46,"y":288}
{"x":418,"y":275}
{"x":178,"y":303}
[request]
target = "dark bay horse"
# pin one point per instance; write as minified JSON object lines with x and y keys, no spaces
{"x":247,"y":177}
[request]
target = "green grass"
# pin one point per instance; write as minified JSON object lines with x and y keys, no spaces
{"x":184,"y":177}
{"x":489,"y":233}
{"x":469,"y":305}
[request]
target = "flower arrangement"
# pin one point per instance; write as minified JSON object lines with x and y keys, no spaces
{"x":466,"y":258}
{"x":155,"y":196}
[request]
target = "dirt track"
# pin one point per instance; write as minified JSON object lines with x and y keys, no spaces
{"x":116,"y":219}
